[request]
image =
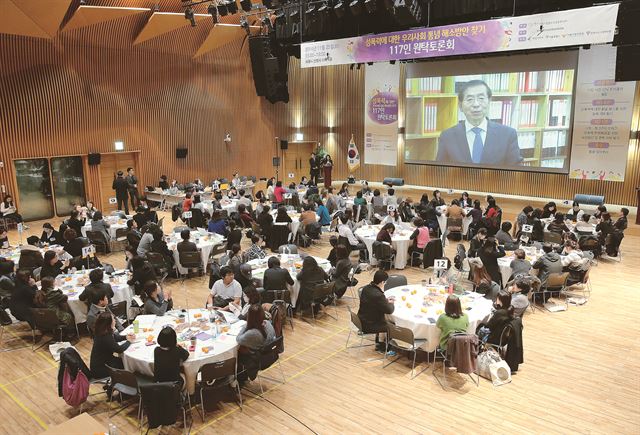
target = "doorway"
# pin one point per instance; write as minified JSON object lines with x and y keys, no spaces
{"x":296,"y":161}
{"x":110,"y":164}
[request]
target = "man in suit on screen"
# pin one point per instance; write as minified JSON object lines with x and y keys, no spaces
{"x":477,"y":140}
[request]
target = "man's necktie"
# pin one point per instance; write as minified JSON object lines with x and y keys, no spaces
{"x":478,"y":146}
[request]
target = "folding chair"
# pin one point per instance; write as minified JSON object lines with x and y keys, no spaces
{"x":119,"y":309}
{"x":157,"y":261}
{"x":454,"y":226}
{"x":191,"y":260}
{"x":445,"y":357}
{"x":126,"y":382}
{"x":151,"y":396}
{"x":44,"y":320}
{"x":120,"y":241}
{"x":505,"y":335}
{"x":267,"y":357}
{"x":403,"y":340}
{"x":357,"y":323}
{"x":214,"y":376}
{"x":98,"y":240}
{"x":555,"y":283}
{"x":320,"y":292}
{"x":384,"y":254}
{"x":395,"y":281}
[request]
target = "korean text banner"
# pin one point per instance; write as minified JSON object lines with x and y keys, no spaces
{"x":602,"y":120}
{"x":592,"y":25}
{"x":381,"y":101}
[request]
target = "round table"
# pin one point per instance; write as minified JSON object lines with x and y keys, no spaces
{"x":73,"y":285}
{"x":205,"y":242}
{"x":295,"y":220}
{"x":421,"y":307}
{"x":209,"y":346}
{"x":114,"y":222}
{"x":400,"y":241}
{"x":369,"y":206}
{"x":293,"y":263}
{"x":442,"y":219}
{"x":14,"y":252}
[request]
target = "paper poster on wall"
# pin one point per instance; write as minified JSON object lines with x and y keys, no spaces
{"x":381,"y":114}
{"x":602,"y":118}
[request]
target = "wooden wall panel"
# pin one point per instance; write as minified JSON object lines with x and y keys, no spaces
{"x":87,"y":88}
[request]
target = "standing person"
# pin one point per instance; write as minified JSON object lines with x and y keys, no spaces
{"x":328,"y":167}
{"x":8,"y":210}
{"x":314,"y":170}
{"x":132,"y":181}
{"x":374,"y":306}
{"x":121,"y":187}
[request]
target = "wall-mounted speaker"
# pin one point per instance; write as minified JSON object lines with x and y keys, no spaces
{"x":181,"y":153}
{"x":284,"y":144}
{"x":94,"y":158}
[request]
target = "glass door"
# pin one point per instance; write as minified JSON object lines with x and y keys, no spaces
{"x":34,"y":188}
{"x":68,"y":183}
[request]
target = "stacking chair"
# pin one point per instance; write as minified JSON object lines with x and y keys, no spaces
{"x":384,"y":254}
{"x":442,"y":353}
{"x":45,"y":320}
{"x":395,"y":281}
{"x":119,"y":309}
{"x":357,"y":324}
{"x":504,"y":340}
{"x":288,"y":249}
{"x":126,"y":382}
{"x":120,"y":241}
{"x":98,"y":240}
{"x":267,"y":357}
{"x":154,"y":397}
{"x":321,"y":291}
{"x":550,"y":237}
{"x":555,"y":283}
{"x":454,"y":226}
{"x":403,"y":340}
{"x":191,"y":260}
{"x":157,"y":261}
{"x":220,"y":374}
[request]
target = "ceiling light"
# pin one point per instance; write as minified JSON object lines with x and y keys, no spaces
{"x":299,"y":137}
{"x":119,"y":145}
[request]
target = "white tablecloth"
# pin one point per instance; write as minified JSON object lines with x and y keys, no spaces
{"x":420,"y":314}
{"x":293,"y":263}
{"x":368,"y":207}
{"x":139,"y":356}
{"x":400,"y":241}
{"x":114,"y":224}
{"x":295,"y":218}
{"x":166,"y":197}
{"x":13,"y":253}
{"x":73,"y":285}
{"x":205,"y":242}
{"x":442,"y":219}
{"x":505,"y":262}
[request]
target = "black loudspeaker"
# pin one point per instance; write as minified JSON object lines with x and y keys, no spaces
{"x":269,"y":64}
{"x":275,"y":161}
{"x":628,"y":18}
{"x":94,"y":158}
{"x":181,"y":153}
{"x":284,"y":144}
{"x":627,"y":62}
{"x":393,"y":181}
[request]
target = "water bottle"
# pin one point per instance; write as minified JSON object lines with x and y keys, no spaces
{"x":113,"y":429}
{"x":136,"y":326}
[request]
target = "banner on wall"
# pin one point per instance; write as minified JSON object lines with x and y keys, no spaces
{"x":381,"y":100}
{"x":593,"y":25}
{"x":602,"y":119}
{"x":353,"y":156}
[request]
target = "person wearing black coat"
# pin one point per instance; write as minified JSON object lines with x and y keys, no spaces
{"x":501,"y":317}
{"x":160,"y":246}
{"x":96,"y":287}
{"x":121,"y":186}
{"x":275,"y":277}
{"x":105,"y":344}
{"x":75,"y":222}
{"x":374,"y":306}
{"x":489,"y":255}
{"x":309,"y":276}
{"x":22,"y":298}
{"x":515,"y":348}
{"x":49,"y":235}
{"x":341,"y":274}
{"x":235,"y":235}
{"x":142,"y":272}
{"x":30,"y":257}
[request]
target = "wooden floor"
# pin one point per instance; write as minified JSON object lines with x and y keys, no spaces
{"x":581,"y":374}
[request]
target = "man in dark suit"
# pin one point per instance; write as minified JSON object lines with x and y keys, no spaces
{"x":121,"y":186}
{"x":186,"y":245}
{"x":373,"y":307}
{"x":477,"y":140}
{"x":132,"y":180}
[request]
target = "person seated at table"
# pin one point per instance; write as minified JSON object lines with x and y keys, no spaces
{"x":217,"y":225}
{"x":225,"y":290}
{"x":278,"y":192}
{"x":140,"y":218}
{"x":236,"y":258}
{"x":519,"y":299}
{"x":549,"y":263}
{"x":500,"y":319}
{"x":344,"y":190}
{"x":129,"y":253}
{"x":386,"y":233}
{"x":275,"y":277}
{"x":245,"y":278}
{"x":323,"y":214}
{"x":261,"y":202}
{"x":23,"y":296}
{"x":359,"y":199}
{"x":197,"y":203}
{"x":524,"y":217}
{"x":157,"y":301}
{"x":95,"y":287}
{"x":584,"y":225}
{"x":100,"y":225}
{"x":344,"y":230}
{"x":482,"y":281}
{"x":605,"y":227}
{"x":105,"y":344}
{"x":186,"y":245}
{"x":557,"y":225}
{"x":133,"y":233}
{"x":391,"y":199}
{"x":255,"y":250}
{"x":597,"y":215}
{"x":489,"y":254}
{"x":8,"y":210}
{"x":76,"y":222}
{"x":30,"y":257}
{"x":245,"y":216}
{"x":504,"y":238}
{"x":163,"y":183}
{"x":99,"y":304}
{"x":549,"y":210}
{"x":453,"y":320}
{"x":168,"y":357}
{"x":49,"y":297}
{"x":365,"y":189}
{"x":537,"y":234}
{"x":74,"y":244}
{"x":429,"y":215}
{"x":142,"y":272}
{"x":374,"y":306}
{"x":475,"y":213}
{"x":251,"y":338}
{"x":575,"y":213}
{"x":571,"y":257}
{"x":342,"y":270}
{"x":7,"y":283}
{"x":520,"y":265}
{"x":622,"y":222}
{"x":377,"y":200}
{"x":309,"y":277}
{"x":234,"y":236}
{"x":308,"y":216}
{"x":4,"y":239}
{"x":187,"y":203}
{"x":331,"y":201}
{"x":420,"y":236}
{"x":304,"y":181}
{"x":492,"y":212}
{"x":52,"y":266}
{"x":392,"y":217}
{"x":282,"y":215}
{"x":159,"y":246}
{"x":476,"y":242}
{"x":245,"y":199}
{"x":49,"y":235}
{"x":437,"y":199}
{"x":465,"y":201}
{"x":454,"y":211}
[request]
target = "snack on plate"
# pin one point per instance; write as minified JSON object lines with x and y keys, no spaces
{"x":197,"y":315}
{"x":408,"y":305}
{"x":404,"y":298}
{"x":205,"y":350}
